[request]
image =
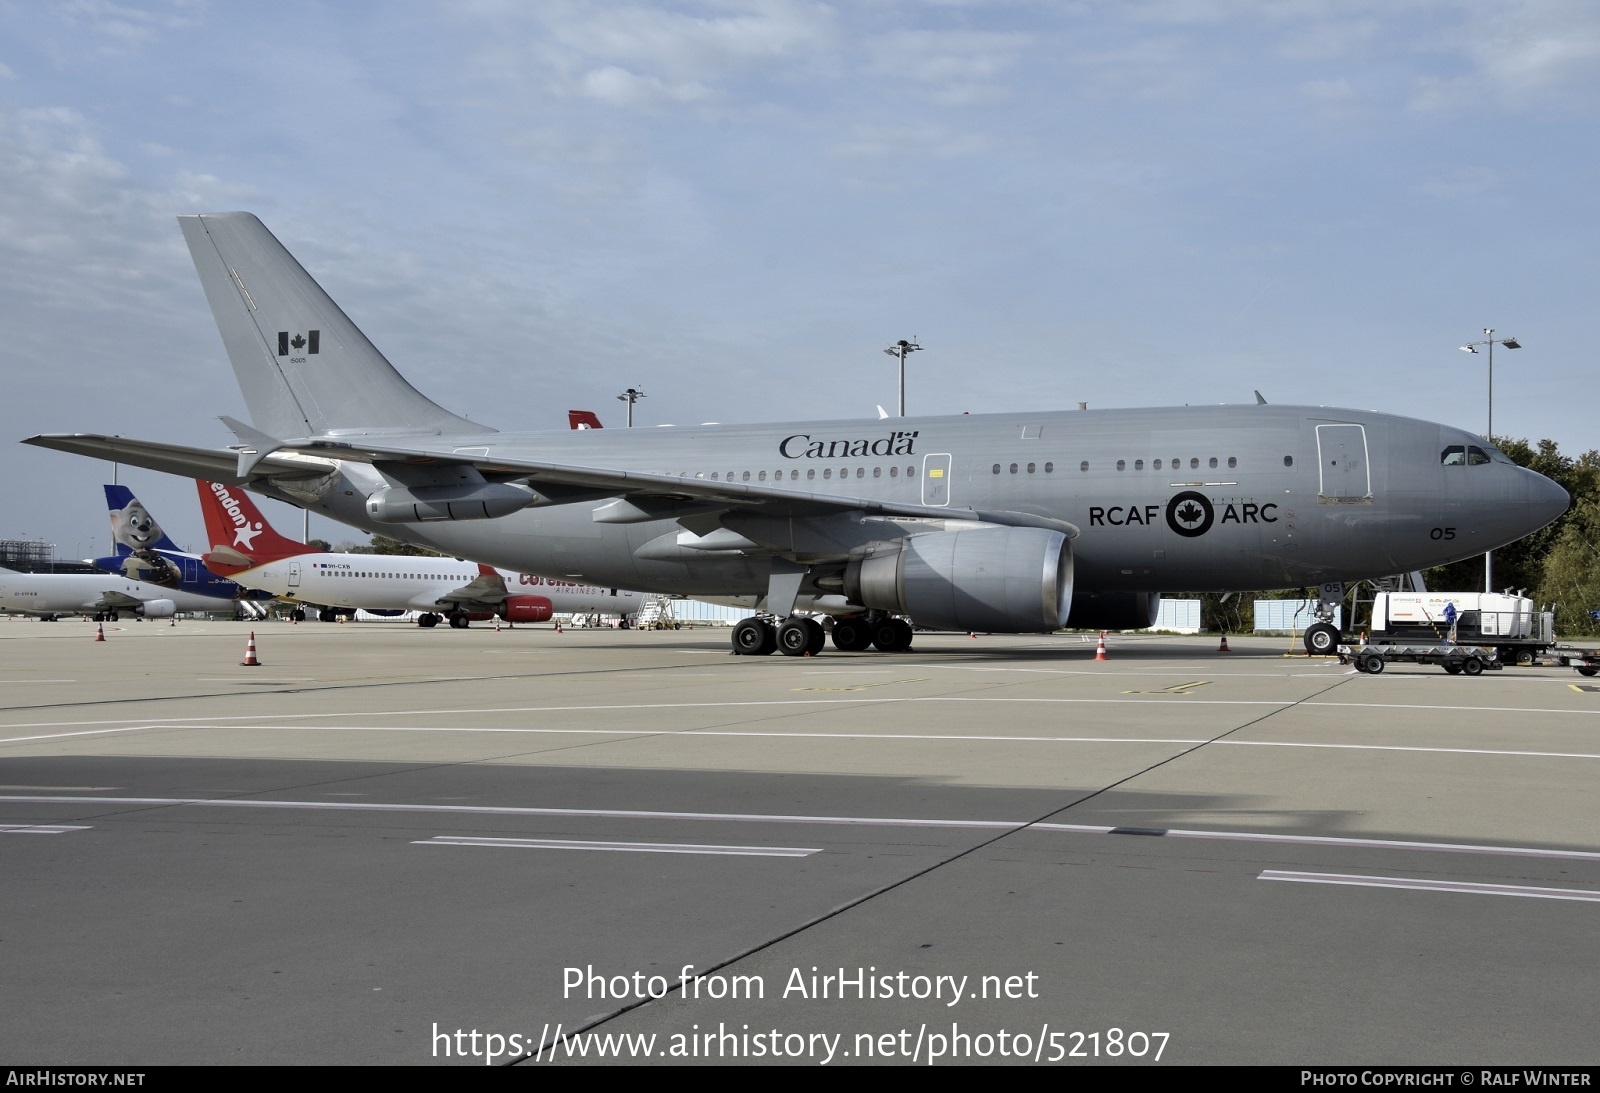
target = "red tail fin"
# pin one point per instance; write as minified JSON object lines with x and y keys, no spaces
{"x":240,"y":536}
{"x":583,"y":419}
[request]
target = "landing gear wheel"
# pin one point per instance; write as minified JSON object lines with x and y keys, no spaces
{"x":892,"y":635}
{"x":800,"y":637}
{"x":1472,"y":666}
{"x":1372,"y":664}
{"x":458,"y":620}
{"x":327,"y":614}
{"x":1322,"y":638}
{"x":427,"y":618}
{"x":753,"y":638}
{"x":1588,"y":671}
{"x":297,"y":615}
{"x":851,"y":635}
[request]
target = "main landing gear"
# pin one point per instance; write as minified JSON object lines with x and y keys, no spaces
{"x":800,"y":637}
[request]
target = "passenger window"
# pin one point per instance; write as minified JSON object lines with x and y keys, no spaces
{"x":1288,"y":461}
{"x":1213,"y":462}
{"x":1138,"y":464}
{"x":1453,"y":456}
{"x":1013,"y":468}
{"x":1194,"y":464}
{"x":1156,"y":464}
{"x":1084,"y":466}
{"x":997,"y":468}
{"x":1030,"y":468}
{"x":827,"y":472}
{"x":1049,"y":468}
{"x":1233,"y":461}
{"x":1122,"y":464}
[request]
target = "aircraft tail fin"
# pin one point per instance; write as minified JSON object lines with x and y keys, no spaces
{"x":305,"y":369}
{"x":132,"y":526}
{"x":239,"y":534}
{"x":583,"y":419}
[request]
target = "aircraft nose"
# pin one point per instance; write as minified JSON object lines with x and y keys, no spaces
{"x":1546,"y":498}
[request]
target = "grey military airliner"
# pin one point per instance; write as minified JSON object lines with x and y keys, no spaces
{"x":1013,"y":523}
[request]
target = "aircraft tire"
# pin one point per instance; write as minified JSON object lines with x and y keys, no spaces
{"x":1472,"y":666}
{"x":851,"y":635}
{"x":753,"y":638}
{"x":1588,"y":671}
{"x":800,"y":637}
{"x":458,"y":620}
{"x":297,"y":615}
{"x":1322,"y":639}
{"x":892,"y":635}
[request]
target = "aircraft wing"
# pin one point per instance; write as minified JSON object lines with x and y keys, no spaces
{"x":644,"y":496}
{"x":641,"y":495}
{"x":487,"y":590}
{"x":210,"y":464}
{"x":116,"y":600}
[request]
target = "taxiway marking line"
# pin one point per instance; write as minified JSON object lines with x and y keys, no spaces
{"x":656,"y":734}
{"x":178,"y":722}
{"x":38,"y":829}
{"x":1420,"y":885}
{"x":853,"y":821}
{"x":637,"y":848}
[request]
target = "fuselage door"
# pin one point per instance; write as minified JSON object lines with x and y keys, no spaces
{"x":1342,"y":452}
{"x":294,"y":574}
{"x":936,"y":479}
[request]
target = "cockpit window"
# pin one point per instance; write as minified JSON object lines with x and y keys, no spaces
{"x":1476,"y":455}
{"x":1453,"y":456}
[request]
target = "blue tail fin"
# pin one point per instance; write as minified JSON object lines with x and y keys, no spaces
{"x":132,"y":526}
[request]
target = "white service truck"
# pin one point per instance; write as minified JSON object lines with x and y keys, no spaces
{"x":1508,"y":623}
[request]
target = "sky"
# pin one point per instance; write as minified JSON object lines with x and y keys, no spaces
{"x":736,"y":206}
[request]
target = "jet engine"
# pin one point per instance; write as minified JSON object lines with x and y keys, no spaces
{"x":158,"y":609}
{"x":1002,"y":580}
{"x":475,"y":501}
{"x":1114,"y":610}
{"x":527,"y":609}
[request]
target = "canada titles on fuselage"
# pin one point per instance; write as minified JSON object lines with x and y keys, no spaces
{"x":898,"y":442}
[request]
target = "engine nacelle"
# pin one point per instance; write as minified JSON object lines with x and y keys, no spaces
{"x":421,"y":504}
{"x":158,"y":609}
{"x":1114,"y":610}
{"x":1000,"y":580}
{"x":527,"y":609}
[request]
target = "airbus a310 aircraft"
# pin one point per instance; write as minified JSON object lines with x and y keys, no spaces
{"x":1018,"y":522}
{"x":246,"y":548}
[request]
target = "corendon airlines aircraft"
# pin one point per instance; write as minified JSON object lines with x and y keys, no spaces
{"x":1002,"y":522}
{"x":247,"y":549}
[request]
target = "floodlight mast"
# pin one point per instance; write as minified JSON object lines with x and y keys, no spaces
{"x":900,"y":349}
{"x":1472,"y":347}
{"x":631,"y":396}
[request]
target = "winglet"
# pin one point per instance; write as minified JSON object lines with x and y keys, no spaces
{"x":257,"y":445}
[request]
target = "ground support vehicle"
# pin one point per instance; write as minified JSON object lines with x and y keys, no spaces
{"x":1468,"y":660}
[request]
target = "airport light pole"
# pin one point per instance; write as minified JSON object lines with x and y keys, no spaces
{"x":1472,"y":347}
{"x":630,"y":396}
{"x":900,"y":349}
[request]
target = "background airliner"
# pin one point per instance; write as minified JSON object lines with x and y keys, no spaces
{"x":142,"y":551}
{"x":101,"y":596}
{"x":1000,"y":522}
{"x":247,"y":549}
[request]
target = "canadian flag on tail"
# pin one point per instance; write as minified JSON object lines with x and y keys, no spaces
{"x":240,"y":536}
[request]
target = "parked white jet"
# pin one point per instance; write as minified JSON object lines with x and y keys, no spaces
{"x":247,"y":549}
{"x":101,"y":596}
{"x":1018,"y":522}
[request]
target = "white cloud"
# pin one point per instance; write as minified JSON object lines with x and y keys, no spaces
{"x":619,"y":87}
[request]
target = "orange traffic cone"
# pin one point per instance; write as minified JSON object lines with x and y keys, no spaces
{"x":250,"y":660}
{"x":1223,"y":648}
{"x":100,"y":632}
{"x":558,"y":626}
{"x":497,"y":624}
{"x":1100,"y":650}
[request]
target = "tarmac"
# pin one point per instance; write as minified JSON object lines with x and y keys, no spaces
{"x":394,"y":845}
